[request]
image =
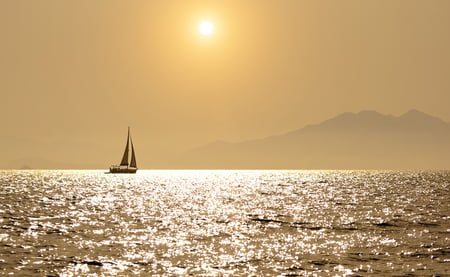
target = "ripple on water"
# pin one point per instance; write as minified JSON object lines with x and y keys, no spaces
{"x":291,"y":223}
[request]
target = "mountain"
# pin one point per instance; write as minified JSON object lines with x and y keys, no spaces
{"x":364,"y":140}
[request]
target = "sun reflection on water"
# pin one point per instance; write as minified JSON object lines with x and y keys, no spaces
{"x":87,"y":223}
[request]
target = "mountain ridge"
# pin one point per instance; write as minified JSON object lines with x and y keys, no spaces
{"x":363,"y":140}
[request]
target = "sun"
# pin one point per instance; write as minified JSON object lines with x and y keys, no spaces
{"x":206,"y":28}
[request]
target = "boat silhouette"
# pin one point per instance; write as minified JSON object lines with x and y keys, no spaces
{"x":124,"y":166}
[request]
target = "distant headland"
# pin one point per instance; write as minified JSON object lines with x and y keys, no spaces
{"x":364,"y":140}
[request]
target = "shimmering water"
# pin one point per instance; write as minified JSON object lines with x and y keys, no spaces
{"x":225,"y":223}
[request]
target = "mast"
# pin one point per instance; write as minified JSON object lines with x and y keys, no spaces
{"x":124,"y":161}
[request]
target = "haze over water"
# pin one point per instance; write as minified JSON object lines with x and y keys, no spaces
{"x":212,"y":223}
{"x":75,"y":74}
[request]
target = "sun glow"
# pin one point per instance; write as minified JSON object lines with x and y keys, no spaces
{"x":206,"y":28}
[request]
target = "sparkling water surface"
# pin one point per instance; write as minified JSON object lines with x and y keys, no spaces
{"x":225,"y":223}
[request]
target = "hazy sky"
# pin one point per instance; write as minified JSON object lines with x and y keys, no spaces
{"x":80,"y":72}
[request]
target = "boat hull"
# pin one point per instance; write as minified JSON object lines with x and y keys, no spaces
{"x":122,"y":170}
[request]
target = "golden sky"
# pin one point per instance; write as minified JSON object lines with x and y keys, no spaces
{"x":80,"y":72}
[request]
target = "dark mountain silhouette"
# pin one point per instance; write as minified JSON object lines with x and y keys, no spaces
{"x":365,"y":140}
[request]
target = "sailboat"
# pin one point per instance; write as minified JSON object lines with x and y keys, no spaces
{"x":124,"y":166}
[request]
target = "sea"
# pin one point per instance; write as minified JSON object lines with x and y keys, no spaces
{"x":224,"y":223}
